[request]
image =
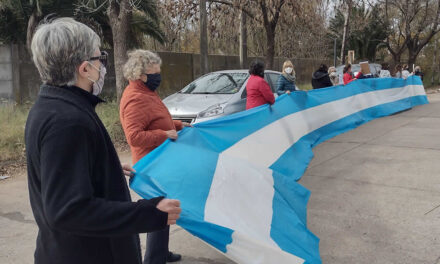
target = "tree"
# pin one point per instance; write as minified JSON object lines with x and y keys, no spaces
{"x":348,"y":6}
{"x":412,"y":25}
{"x":367,"y":34}
{"x":19,"y":19}
{"x":128,"y":21}
{"x":203,"y":38}
{"x":266,"y":12}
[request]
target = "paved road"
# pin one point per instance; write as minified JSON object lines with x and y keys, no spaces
{"x":375,"y":197}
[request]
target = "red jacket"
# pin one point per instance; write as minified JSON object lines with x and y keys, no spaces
{"x":144,"y":119}
{"x":258,"y":92}
{"x":348,"y":78}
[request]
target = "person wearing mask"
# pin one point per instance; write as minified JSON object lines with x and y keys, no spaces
{"x":398,"y":71}
{"x":385,"y":71}
{"x":348,"y":75}
{"x":405,"y":71}
{"x":77,"y":189}
{"x":418,"y":72}
{"x":147,"y":123}
{"x":257,"y":89}
{"x":320,"y":78}
{"x":286,"y":81}
{"x":334,"y":78}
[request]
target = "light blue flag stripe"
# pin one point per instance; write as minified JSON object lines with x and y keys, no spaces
{"x":236,"y":175}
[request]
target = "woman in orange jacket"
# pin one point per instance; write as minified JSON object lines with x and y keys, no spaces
{"x":147,"y":123}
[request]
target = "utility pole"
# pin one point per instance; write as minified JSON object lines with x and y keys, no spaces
{"x":203,"y":38}
{"x":243,"y":40}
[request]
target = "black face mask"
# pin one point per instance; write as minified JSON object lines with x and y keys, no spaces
{"x":153,"y":81}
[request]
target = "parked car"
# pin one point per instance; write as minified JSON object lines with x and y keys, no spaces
{"x":213,"y":95}
{"x":355,"y":68}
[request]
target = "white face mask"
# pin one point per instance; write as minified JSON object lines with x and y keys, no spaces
{"x":98,"y":84}
{"x":288,"y":70}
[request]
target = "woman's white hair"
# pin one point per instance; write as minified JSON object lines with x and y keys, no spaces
{"x":59,"y":47}
{"x":139,"y":61}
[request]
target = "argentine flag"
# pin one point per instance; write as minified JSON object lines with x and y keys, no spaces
{"x":236,"y":176}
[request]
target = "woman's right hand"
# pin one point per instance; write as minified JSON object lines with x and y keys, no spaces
{"x":172,"y":208}
{"x":171,"y":134}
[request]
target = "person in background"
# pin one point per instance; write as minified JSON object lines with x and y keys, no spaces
{"x":418,"y":72}
{"x":385,"y":71}
{"x":348,"y":75}
{"x":405,"y":71}
{"x":334,"y":78}
{"x":77,"y":189}
{"x":398,"y":71}
{"x":320,"y":78}
{"x":286,"y":81}
{"x":257,"y":89}
{"x":147,"y":124}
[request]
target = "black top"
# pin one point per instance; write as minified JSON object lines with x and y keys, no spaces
{"x":321,"y":79}
{"x":78,"y":192}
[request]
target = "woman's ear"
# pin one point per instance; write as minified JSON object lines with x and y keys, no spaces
{"x":82,"y":70}
{"x":144,"y":78}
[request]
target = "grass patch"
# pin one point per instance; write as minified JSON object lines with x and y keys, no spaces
{"x":12,"y":123}
{"x":109,"y":115}
{"x":13,"y":120}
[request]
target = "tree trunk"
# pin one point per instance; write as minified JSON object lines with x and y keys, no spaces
{"x":243,"y":41}
{"x":32,"y":25}
{"x":203,"y":38}
{"x":270,"y":51}
{"x":119,"y":17}
{"x":412,"y":57}
{"x":396,"y":58}
{"x":434,"y":57}
{"x":346,"y":31}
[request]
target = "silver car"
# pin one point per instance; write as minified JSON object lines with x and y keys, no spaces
{"x":213,"y":95}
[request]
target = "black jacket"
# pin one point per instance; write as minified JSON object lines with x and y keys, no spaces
{"x":320,"y":80}
{"x":78,"y":193}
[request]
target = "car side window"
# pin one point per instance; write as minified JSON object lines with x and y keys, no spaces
{"x":273,"y":78}
{"x":268,"y":80}
{"x":244,"y":94}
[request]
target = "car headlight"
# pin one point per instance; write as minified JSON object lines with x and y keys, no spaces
{"x":214,"y":110}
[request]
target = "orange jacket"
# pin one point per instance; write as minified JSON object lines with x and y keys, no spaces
{"x":144,"y":119}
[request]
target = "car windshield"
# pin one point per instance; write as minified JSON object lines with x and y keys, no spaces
{"x":216,"y":83}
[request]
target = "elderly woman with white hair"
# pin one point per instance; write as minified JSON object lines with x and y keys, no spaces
{"x":147,"y":123}
{"x":77,"y":188}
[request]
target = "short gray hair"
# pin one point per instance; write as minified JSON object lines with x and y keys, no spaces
{"x":138,"y":62}
{"x":59,"y":47}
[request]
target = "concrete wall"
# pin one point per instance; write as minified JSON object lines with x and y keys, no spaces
{"x":6,"y":77}
{"x":19,"y":79}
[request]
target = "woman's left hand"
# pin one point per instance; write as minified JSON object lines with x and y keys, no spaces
{"x":128,"y":170}
{"x":186,"y":124}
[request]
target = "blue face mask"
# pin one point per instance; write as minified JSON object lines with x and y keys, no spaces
{"x":153,"y":81}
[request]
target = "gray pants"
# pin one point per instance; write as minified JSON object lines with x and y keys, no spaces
{"x":157,"y":247}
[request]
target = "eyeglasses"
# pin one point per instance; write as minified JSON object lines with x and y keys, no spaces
{"x":103,"y":58}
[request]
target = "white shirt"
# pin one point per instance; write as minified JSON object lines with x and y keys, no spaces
{"x":384,"y":74}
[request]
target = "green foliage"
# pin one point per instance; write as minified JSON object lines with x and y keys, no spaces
{"x":366,"y":34}
{"x":15,"y":16}
{"x":144,"y":21}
